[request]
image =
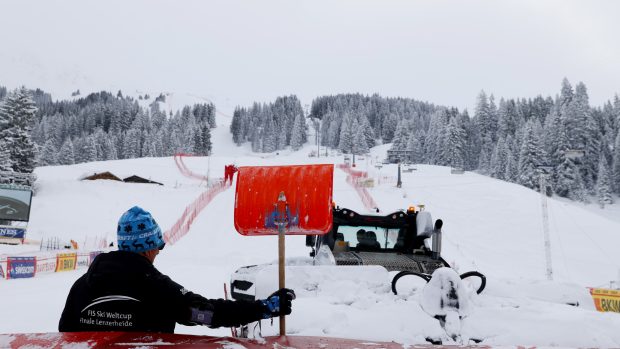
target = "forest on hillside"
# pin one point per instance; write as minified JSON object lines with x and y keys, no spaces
{"x":37,"y":131}
{"x":577,"y":146}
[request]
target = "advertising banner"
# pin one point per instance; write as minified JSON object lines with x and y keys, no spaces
{"x":83,"y":260}
{"x":66,"y":261}
{"x":605,"y":299}
{"x":21,"y":267}
{"x":15,"y":204}
{"x":94,"y":254}
{"x":12,"y":232}
{"x":46,"y":265}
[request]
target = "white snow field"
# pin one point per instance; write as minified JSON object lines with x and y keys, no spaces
{"x":491,"y":226}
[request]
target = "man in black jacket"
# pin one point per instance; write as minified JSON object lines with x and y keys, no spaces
{"x":123,"y":291}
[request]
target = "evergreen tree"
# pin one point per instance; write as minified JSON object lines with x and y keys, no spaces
{"x":616,"y":165}
{"x":454,"y":146}
{"x":368,"y":132}
{"x":48,"y":154}
{"x":298,"y":131}
{"x":530,"y":158}
{"x":109,"y":150}
{"x":235,"y":126}
{"x":345,"y":143}
{"x":603,"y":187}
{"x":66,"y":155}
{"x":88,"y":149}
{"x":6,"y":139}
{"x":484,"y":119}
{"x":499,"y":160}
{"x":207,"y":146}
{"x":401,"y":135}
{"x":414,"y":145}
{"x":20,"y":110}
{"x":6,"y":165}
{"x":360,"y":146}
{"x":568,"y":181}
{"x":507,"y":123}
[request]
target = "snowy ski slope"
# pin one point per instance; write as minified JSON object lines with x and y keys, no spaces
{"x":489,"y":225}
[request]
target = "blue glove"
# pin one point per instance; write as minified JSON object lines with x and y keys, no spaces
{"x":279,"y":303}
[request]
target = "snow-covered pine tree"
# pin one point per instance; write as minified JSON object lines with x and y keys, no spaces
{"x":415,"y":147}
{"x":603,"y":186}
{"x":270,"y":137}
{"x":131,"y":145}
{"x":198,"y":148}
{"x":568,"y":182}
{"x":566,"y":94}
{"x":454,"y":145}
{"x":388,"y":127}
{"x":511,"y":173}
{"x":616,"y":165}
{"x":207,"y":146}
{"x":368,"y":132}
{"x":235,"y":126}
{"x":498,"y":159}
{"x":484,"y":117}
{"x":6,"y":163}
{"x":66,"y":155}
{"x":434,"y":137}
{"x":21,"y":111}
{"x":48,"y":154}
{"x":507,"y":114}
{"x":346,"y":134}
{"x":89,"y":149}
{"x":530,"y":158}
{"x":360,"y":147}
{"x":298,"y":131}
{"x":586,"y":135}
{"x":401,"y":135}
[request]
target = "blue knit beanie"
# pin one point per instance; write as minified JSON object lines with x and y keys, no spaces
{"x":138,"y":232}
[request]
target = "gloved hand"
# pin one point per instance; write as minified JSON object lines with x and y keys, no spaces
{"x":279,"y":303}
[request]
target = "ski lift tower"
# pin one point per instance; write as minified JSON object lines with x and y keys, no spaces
{"x":545,"y":170}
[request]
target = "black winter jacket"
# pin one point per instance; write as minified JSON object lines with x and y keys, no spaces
{"x":123,"y":291}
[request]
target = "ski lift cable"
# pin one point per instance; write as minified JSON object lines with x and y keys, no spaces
{"x":581,"y":230}
{"x":559,"y":237}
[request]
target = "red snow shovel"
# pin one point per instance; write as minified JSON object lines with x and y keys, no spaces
{"x":284,"y":200}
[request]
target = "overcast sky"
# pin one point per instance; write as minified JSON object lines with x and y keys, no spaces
{"x":236,"y":52}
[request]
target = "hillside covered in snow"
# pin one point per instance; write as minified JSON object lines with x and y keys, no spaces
{"x":489,"y":225}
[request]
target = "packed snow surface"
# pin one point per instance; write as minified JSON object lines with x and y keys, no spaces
{"x":491,"y":226}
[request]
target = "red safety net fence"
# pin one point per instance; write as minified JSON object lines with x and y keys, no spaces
{"x":178,"y":160}
{"x":184,"y":223}
{"x":353,"y":178}
{"x":181,"y":227}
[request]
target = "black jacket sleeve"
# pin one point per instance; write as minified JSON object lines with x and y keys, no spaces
{"x":224,"y":312}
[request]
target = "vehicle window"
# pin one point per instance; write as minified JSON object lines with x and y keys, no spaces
{"x":368,"y":237}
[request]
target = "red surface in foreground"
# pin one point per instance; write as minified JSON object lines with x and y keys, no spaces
{"x":153,"y":340}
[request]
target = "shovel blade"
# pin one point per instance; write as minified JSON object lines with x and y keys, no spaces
{"x":298,"y":196}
